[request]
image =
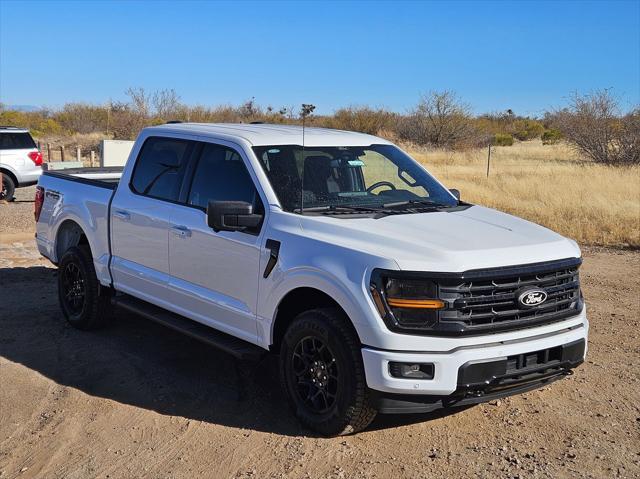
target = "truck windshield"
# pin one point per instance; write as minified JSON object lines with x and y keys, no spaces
{"x":376,"y":176}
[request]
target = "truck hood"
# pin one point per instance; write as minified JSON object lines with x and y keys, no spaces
{"x":454,"y":241}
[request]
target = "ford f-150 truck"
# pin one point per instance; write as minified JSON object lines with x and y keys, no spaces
{"x":379,"y":289}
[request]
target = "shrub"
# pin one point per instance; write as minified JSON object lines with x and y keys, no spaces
{"x":126,"y":121}
{"x":527,"y":129}
{"x":593,"y":125}
{"x":439,"y":120}
{"x":551,"y":136}
{"x":82,"y":118}
{"x":39,"y":122}
{"x":502,"y":139}
{"x":362,"y":119}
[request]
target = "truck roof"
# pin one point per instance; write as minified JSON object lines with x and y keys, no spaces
{"x":12,"y":129}
{"x":264,"y":134}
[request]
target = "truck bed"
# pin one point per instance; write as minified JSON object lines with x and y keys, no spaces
{"x":77,"y":196}
{"x":106,"y":177}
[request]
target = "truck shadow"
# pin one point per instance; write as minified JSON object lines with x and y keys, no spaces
{"x":137,"y":362}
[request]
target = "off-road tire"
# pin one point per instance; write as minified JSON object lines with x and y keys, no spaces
{"x":351,"y":412}
{"x":95,"y":309}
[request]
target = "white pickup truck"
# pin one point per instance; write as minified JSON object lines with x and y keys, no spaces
{"x":379,"y":289}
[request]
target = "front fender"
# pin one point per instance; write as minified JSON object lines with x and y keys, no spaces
{"x":304,"y":277}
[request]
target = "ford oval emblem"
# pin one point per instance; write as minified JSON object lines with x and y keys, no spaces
{"x":532,"y":297}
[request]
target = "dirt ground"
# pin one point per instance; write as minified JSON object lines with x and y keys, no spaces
{"x":136,"y":400}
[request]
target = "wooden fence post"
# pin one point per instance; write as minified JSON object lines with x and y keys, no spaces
{"x":62,"y":152}
{"x":48,"y":152}
{"x":78,"y":154}
{"x":488,"y":160}
{"x":93,"y":157}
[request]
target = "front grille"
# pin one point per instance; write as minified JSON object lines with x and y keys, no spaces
{"x":488,"y":299}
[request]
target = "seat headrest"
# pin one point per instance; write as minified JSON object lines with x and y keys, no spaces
{"x":317,"y":165}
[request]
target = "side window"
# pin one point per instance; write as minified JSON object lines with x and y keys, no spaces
{"x":16,"y":141}
{"x":221,"y":176}
{"x":160,"y":168}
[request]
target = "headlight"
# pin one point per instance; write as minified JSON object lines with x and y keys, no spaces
{"x":405,"y":302}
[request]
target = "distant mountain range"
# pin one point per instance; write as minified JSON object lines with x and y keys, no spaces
{"x":22,"y":107}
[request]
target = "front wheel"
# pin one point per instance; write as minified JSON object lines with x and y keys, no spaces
{"x":323,"y":375}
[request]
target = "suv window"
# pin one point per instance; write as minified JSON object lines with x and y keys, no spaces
{"x":160,"y":168}
{"x":222,"y":176}
{"x":16,"y":141}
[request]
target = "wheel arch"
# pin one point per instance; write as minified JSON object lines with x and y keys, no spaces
{"x":7,"y":172}
{"x":296,"y":301}
{"x":69,"y":234}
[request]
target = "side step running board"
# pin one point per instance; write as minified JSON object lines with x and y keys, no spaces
{"x":224,"y":342}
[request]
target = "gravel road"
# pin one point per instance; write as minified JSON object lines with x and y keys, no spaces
{"x":135,"y":400}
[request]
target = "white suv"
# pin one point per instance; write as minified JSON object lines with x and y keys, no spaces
{"x":20,"y":160}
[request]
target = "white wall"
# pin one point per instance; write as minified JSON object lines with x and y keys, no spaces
{"x":115,"y":152}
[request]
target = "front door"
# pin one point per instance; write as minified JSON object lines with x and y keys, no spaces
{"x":214,"y":276}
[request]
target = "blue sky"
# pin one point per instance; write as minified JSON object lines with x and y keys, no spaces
{"x":527,"y":56}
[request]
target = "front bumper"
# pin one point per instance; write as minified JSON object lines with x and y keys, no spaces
{"x":453,"y":378}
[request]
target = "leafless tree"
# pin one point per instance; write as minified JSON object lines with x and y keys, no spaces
{"x":593,"y":123}
{"x":166,"y":103}
{"x":250,"y":110}
{"x":139,"y":100}
{"x":440,"y":119}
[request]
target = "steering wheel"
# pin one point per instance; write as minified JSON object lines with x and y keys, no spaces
{"x":379,"y":184}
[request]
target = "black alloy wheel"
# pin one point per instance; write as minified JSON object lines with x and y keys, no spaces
{"x":316,"y":370}
{"x":74,"y":292}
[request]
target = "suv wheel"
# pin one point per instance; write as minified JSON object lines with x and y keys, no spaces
{"x":323,"y":375}
{"x":85,"y":304}
{"x":8,"y":188}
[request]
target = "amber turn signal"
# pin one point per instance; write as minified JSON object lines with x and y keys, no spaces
{"x":415,"y":303}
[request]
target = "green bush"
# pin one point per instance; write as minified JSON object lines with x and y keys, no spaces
{"x":551,"y":136}
{"x":39,"y":122}
{"x":502,"y":139}
{"x":527,"y":129}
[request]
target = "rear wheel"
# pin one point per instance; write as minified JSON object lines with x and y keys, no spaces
{"x":85,"y":304}
{"x":8,"y":188}
{"x":323,"y":375}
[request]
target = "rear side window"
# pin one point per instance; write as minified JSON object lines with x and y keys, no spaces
{"x":221,"y":175}
{"x":16,"y":141}
{"x":160,"y":168}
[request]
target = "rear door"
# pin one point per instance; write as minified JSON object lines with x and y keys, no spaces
{"x":214,"y":275}
{"x":140,"y":218}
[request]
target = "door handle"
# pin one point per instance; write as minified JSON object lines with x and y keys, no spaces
{"x":181,"y":231}
{"x":123,"y":215}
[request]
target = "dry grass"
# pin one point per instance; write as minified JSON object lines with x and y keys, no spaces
{"x":549,"y":185}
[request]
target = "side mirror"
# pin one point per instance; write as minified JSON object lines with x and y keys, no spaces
{"x":455,"y":193}
{"x":231,"y":216}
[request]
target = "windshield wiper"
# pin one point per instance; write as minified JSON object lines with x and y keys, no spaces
{"x":430,"y":203}
{"x":329,"y":208}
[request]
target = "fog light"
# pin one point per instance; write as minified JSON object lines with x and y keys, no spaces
{"x":411,"y":370}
